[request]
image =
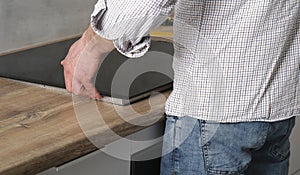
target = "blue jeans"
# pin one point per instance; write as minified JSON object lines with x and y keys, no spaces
{"x":197,"y":147}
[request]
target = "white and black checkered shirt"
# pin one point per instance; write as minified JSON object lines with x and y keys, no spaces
{"x":234,"y":61}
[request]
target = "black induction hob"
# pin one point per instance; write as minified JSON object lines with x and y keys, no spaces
{"x":120,"y":80}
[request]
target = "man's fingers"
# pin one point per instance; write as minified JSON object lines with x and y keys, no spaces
{"x":97,"y":94}
{"x":77,"y":88}
{"x":68,"y":76}
{"x":68,"y":85}
{"x":92,"y":91}
{"x":86,"y":89}
{"x":68,"y":81}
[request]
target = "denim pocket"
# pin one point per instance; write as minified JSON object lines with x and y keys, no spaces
{"x":225,"y":146}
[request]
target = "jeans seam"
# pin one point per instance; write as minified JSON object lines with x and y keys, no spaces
{"x":174,"y":149}
{"x":204,"y":146}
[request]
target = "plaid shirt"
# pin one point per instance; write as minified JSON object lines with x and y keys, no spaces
{"x":234,"y":61}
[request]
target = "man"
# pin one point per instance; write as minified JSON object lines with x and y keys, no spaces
{"x":236,"y":85}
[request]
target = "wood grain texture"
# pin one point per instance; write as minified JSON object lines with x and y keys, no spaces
{"x":40,"y":128}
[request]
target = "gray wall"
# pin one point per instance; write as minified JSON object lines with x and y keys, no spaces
{"x":27,"y":22}
{"x":295,"y":145}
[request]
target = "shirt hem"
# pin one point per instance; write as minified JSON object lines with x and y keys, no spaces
{"x":222,"y":119}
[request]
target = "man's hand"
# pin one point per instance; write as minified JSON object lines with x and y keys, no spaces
{"x":82,"y":62}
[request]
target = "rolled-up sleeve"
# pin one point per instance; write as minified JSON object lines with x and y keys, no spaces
{"x":128,"y":22}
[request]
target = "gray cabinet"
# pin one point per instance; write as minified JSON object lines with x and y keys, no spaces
{"x":116,"y":158}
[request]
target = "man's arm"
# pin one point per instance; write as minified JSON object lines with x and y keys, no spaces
{"x":124,"y":25}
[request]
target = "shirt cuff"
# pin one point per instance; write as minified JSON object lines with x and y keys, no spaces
{"x":128,"y":23}
{"x":133,"y":51}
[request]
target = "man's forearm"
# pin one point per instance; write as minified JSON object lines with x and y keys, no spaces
{"x":95,"y":43}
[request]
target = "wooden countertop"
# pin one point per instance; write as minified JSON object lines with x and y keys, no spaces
{"x":39,"y":128}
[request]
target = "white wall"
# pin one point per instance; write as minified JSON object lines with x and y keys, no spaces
{"x":27,"y":22}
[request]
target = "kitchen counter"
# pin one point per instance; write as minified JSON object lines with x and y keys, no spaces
{"x":40,"y":126}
